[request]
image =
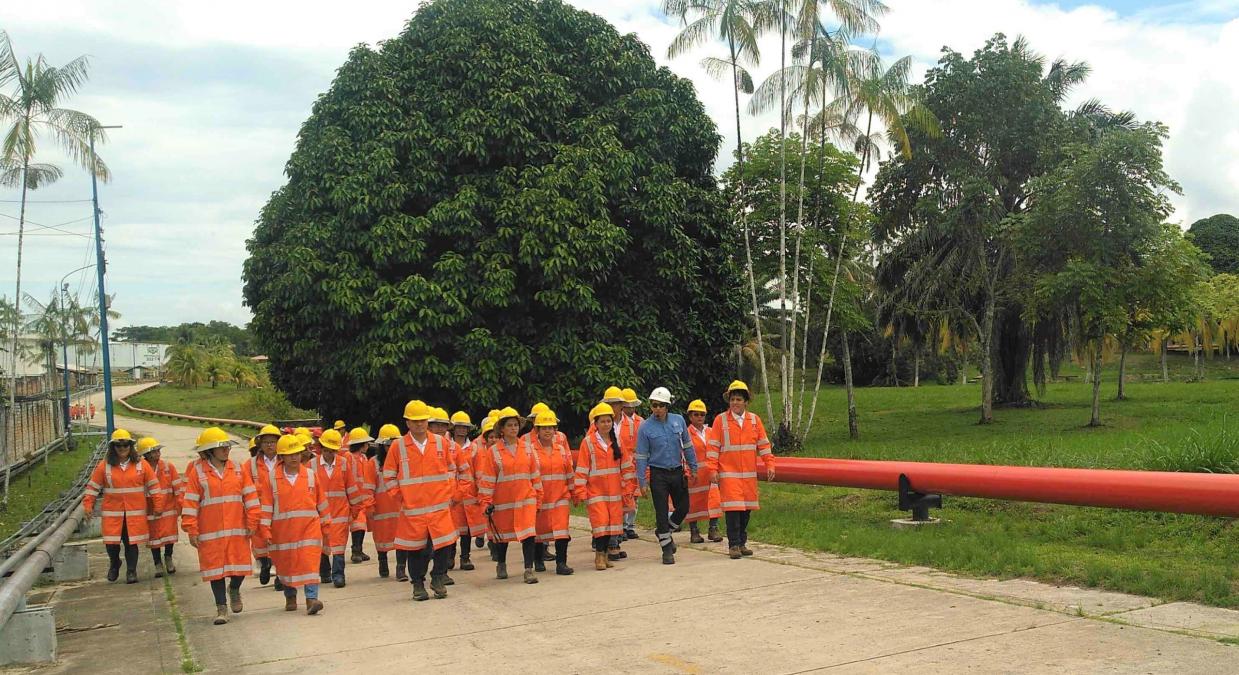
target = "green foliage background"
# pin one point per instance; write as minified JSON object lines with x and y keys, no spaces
{"x":508,"y":202}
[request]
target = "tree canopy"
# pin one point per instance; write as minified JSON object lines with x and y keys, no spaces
{"x":211,"y":333}
{"x":1218,"y":236}
{"x":507,"y":202}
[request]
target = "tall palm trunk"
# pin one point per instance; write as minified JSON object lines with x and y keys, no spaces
{"x":785,"y":374}
{"x":744,"y":219}
{"x":17,"y":320}
{"x":1164,"y":349}
{"x":1122,"y":369}
{"x":1095,"y":369}
{"x":804,"y":146}
{"x":853,"y":422}
{"x":834,"y":284}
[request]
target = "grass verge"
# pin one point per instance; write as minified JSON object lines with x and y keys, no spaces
{"x":30,"y":492}
{"x":188,"y":665}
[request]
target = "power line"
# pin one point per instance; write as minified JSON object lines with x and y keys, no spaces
{"x":45,"y":201}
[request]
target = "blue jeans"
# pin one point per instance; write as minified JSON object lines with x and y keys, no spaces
{"x":630,"y":519}
{"x":311,"y":592}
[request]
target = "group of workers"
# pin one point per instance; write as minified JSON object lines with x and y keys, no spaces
{"x":431,"y":494}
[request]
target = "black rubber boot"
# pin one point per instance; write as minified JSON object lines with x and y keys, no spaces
{"x":264,"y":571}
{"x":438,"y":584}
{"x":539,"y":557}
{"x":384,"y":571}
{"x":419,"y":591}
{"x":402,"y":564}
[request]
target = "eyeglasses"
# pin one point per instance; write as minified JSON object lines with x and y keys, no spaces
{"x":657,"y":404}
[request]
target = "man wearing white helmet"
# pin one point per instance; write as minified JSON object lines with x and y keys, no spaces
{"x":664,"y":446}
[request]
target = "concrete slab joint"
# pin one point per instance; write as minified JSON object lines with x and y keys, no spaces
{"x":29,"y":636}
{"x":71,"y":563}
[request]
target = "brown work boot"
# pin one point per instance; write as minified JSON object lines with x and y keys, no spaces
{"x":714,"y":535}
{"x":438,"y":584}
{"x":234,"y":599}
{"x":745,"y":550}
{"x":221,"y":615}
{"x":290,"y":603}
{"x":600,"y":560}
{"x":696,"y":538}
{"x":419,"y":591}
{"x":530,"y":577}
{"x":313,"y":607}
{"x":734,"y":552}
{"x":159,"y":570}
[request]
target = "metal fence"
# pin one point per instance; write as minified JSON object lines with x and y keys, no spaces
{"x":35,"y":422}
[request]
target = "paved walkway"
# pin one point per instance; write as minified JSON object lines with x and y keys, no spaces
{"x":783,"y":611}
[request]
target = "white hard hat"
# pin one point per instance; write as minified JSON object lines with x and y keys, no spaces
{"x":661,"y":395}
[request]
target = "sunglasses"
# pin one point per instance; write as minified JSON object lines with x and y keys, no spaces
{"x":658,"y":405}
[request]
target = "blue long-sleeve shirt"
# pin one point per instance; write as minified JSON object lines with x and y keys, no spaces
{"x":665,"y":445}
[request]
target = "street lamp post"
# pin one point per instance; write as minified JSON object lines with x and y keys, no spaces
{"x":100,"y":267}
{"x":64,"y":350}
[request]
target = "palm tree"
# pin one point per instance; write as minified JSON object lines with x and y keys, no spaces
{"x":33,"y":110}
{"x":187,"y":364}
{"x":888,"y":96}
{"x":734,"y":23}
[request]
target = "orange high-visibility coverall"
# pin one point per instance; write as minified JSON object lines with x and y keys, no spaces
{"x":166,"y":500}
{"x":425,"y":484}
{"x":512,"y":482}
{"x":602,"y":482}
{"x":127,"y":499}
{"x":383,"y":507}
{"x":733,"y":455}
{"x":365,"y":491}
{"x":258,"y":471}
{"x":222,"y":511}
{"x":466,"y":493}
{"x":337,"y":484}
{"x":555,"y":466}
{"x":703,"y":497}
{"x":293,"y":525}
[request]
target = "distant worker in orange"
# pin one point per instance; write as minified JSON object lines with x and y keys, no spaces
{"x":126,"y":483}
{"x":509,"y":490}
{"x":603,"y":478}
{"x":221,"y":511}
{"x":737,"y":441}
{"x":555,"y":466}
{"x":166,"y":500}
{"x":294,"y":515}
{"x":383,"y":511}
{"x":331,"y":471}
{"x":262,"y":460}
{"x":358,"y":455}
{"x":474,"y":520}
{"x":703,"y":500}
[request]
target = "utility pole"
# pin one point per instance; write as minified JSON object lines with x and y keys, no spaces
{"x":100,"y":268}
{"x":64,"y":351}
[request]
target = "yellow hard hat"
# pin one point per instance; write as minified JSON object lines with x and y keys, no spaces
{"x":538,"y":407}
{"x":359,"y":435}
{"x":488,"y":425}
{"x":416,"y":411}
{"x":254,"y":442}
{"x":122,"y":436}
{"x":387,"y":432}
{"x":289,"y":445}
{"x":546,"y":418}
{"x":601,"y":409}
{"x":439,"y":416}
{"x":737,"y":385}
{"x":213,"y":437}
{"x":330,"y":439}
{"x":305,"y":439}
{"x":338,"y":425}
{"x":630,"y":397}
{"x":460,"y":418}
{"x":613,"y":394}
{"x":148,"y":444}
{"x":301,"y":431}
{"x":269,"y":430}
{"x":506,"y":413}
{"x":492,"y":412}
{"x":697,"y":405}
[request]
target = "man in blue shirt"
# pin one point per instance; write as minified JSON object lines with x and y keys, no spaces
{"x":663,"y":445}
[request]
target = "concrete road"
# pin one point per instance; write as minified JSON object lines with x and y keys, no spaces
{"x":783,"y":611}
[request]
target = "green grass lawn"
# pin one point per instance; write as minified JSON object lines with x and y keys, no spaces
{"x":1171,"y":426}
{"x":224,"y":401}
{"x":30,"y":492}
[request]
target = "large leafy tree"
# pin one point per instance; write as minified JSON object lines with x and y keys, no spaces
{"x":508,"y":202}
{"x":1218,"y":236}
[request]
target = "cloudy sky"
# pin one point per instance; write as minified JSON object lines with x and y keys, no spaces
{"x":211,"y":96}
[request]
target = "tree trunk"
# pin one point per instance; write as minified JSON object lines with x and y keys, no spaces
{"x":1010,"y":359}
{"x":17,"y":320}
{"x":1095,"y":368}
{"x":1165,"y":348}
{"x":1122,"y":369}
{"x":804,"y":352}
{"x":987,"y":360}
{"x":784,"y":370}
{"x":853,"y":424}
{"x":748,"y":250}
{"x":791,"y":345}
{"x":1198,"y":346}
{"x":916,"y":367}
{"x":894,"y":365}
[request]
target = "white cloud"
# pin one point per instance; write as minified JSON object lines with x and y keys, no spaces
{"x":212,"y":94}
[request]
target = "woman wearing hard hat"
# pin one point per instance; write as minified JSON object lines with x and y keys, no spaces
{"x":125,"y":482}
{"x":384,"y":508}
{"x":703,"y":500}
{"x":359,"y":441}
{"x":555,"y":465}
{"x":166,"y":500}
{"x":481,"y":444}
{"x":474,"y":519}
{"x":509,"y":490}
{"x":221,"y":509}
{"x":294,"y":513}
{"x":257,"y":467}
{"x":331,"y":471}
{"x":737,"y":440}
{"x":603,"y":478}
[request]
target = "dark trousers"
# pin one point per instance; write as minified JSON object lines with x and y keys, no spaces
{"x":666,"y":483}
{"x":217,"y":588}
{"x":359,"y":538}
{"x":528,"y":546}
{"x":465,"y":543}
{"x":131,"y":551}
{"x":737,"y":527}
{"x":602,"y":543}
{"x":331,"y":565}
{"x":693,"y":525}
{"x":420,"y":561}
{"x":561,"y":551}
{"x":159,"y":554}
